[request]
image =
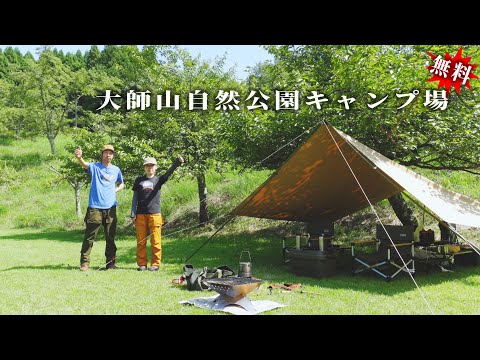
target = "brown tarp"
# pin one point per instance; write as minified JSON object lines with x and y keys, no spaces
{"x":448,"y":205}
{"x":316,"y":185}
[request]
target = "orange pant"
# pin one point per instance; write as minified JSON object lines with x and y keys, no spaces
{"x":144,"y":224}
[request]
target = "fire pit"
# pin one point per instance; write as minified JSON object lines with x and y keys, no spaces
{"x":232,"y":291}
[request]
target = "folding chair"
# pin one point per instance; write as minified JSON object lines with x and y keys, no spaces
{"x":386,"y":259}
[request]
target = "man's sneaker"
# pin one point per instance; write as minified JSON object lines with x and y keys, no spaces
{"x":84,"y":267}
{"x":111,"y":267}
{"x":142,"y":268}
{"x":153,"y":268}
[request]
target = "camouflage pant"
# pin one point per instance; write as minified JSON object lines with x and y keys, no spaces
{"x":93,"y":220}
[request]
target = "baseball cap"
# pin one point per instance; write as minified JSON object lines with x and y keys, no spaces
{"x":108,"y":147}
{"x":149,"y":160}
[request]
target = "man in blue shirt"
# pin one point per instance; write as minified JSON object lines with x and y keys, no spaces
{"x":102,"y":205}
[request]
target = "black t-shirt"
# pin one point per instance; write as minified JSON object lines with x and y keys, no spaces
{"x":148,"y":191}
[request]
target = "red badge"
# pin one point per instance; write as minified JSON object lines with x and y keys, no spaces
{"x":452,"y":71}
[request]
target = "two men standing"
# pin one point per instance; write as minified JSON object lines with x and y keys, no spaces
{"x":102,"y":208}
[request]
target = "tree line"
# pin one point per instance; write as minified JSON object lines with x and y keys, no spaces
{"x":60,"y":92}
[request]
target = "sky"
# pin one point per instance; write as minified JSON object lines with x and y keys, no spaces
{"x":240,"y":55}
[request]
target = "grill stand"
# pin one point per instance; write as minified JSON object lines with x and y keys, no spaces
{"x":222,"y":301}
{"x":232,"y":292}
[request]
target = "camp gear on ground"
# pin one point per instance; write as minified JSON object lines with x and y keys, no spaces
{"x":448,"y":249}
{"x":314,"y":263}
{"x":285,"y":286}
{"x":387,"y":262}
{"x":195,"y":277}
{"x":332,"y":175}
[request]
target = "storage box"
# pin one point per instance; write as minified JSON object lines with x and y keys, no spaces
{"x":311,"y":263}
{"x":398,"y":234}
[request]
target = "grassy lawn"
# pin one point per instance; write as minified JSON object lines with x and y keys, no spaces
{"x":40,"y":275}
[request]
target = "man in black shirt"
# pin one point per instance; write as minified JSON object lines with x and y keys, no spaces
{"x":146,"y":213}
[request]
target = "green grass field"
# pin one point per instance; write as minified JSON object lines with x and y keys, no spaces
{"x":40,"y":239}
{"x":40,"y":276}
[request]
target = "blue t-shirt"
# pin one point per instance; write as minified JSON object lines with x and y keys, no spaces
{"x":102,"y":185}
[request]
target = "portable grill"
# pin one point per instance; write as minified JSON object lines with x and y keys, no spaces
{"x":233,"y":291}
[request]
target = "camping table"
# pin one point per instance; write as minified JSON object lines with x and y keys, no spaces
{"x":389,"y":260}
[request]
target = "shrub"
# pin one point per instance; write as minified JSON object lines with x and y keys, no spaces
{"x":8,"y":176}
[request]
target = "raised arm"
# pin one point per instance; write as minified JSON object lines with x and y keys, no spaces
{"x":78,"y":155}
{"x":178,"y":161}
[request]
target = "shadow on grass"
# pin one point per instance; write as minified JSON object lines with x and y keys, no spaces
{"x":401,"y":283}
{"x":267,"y":264}
{"x":6,"y":141}
{"x":19,"y":162}
{"x":64,"y":267}
{"x":42,"y":267}
{"x":67,"y":236}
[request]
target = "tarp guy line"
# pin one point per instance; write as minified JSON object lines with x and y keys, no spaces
{"x":380,"y":221}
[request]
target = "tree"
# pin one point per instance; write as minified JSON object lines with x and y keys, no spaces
{"x":191,"y":133}
{"x":260,"y":138}
{"x":15,"y":115}
{"x":75,"y":61}
{"x":92,"y":57}
{"x":44,"y":85}
{"x":3,"y":65}
{"x":86,"y":83}
{"x":51,"y":91}
{"x":413,"y":135}
{"x":14,"y":56}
